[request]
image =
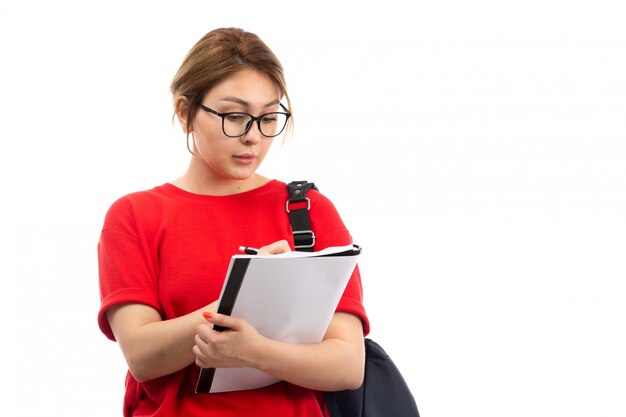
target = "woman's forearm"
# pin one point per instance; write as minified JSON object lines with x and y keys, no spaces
{"x":154,"y":347}
{"x":331,"y":365}
{"x":336,"y":363}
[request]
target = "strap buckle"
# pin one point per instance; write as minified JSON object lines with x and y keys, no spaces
{"x":303,"y":239}
{"x":308,"y":205}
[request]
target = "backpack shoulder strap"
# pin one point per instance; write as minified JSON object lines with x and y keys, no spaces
{"x":298,"y":206}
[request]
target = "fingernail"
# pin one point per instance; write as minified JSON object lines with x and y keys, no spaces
{"x":207,"y":315}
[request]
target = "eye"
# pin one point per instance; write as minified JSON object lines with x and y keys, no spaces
{"x":269,"y":118}
{"x":235,"y":117}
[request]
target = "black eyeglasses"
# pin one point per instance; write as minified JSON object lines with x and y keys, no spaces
{"x":236,"y":124}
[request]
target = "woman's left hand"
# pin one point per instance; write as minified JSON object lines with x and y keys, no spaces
{"x":236,"y":346}
{"x":232,"y":348}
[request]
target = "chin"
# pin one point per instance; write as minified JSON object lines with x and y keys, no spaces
{"x":242,"y":176}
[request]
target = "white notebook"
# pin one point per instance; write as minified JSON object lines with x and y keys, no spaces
{"x":289,"y":297}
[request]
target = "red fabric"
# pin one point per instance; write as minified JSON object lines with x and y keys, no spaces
{"x":170,"y":249}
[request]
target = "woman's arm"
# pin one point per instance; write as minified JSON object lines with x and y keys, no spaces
{"x":336,"y":363}
{"x":154,"y":347}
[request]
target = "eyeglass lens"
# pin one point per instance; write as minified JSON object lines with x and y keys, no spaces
{"x":271,"y":124}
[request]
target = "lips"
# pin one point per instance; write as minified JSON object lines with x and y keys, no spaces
{"x":245,"y":158}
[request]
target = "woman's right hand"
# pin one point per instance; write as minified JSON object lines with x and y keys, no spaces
{"x":276,"y":248}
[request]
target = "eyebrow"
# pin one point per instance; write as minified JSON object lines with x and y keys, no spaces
{"x":245,"y":103}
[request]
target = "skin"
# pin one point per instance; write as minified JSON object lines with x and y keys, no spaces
{"x":222,"y":166}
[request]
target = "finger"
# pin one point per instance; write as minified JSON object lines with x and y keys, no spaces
{"x":201,"y":341}
{"x":207,"y":315}
{"x":201,"y":360}
{"x":281,"y":246}
{"x":200,"y":356}
{"x":205,"y":332}
{"x":203,"y":353}
{"x":198,"y":352}
{"x":231,"y":323}
{"x":202,"y":364}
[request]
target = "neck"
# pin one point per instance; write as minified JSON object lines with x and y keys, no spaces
{"x":202,"y":181}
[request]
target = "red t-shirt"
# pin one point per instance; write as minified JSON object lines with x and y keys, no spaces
{"x":170,"y":249}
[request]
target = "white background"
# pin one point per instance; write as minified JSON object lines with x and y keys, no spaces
{"x":475,"y":149}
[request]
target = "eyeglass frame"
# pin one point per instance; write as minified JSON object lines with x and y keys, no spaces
{"x":253,"y":119}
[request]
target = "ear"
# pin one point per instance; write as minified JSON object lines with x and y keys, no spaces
{"x":181,"y":109}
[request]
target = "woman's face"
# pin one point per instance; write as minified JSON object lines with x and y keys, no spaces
{"x":228,"y":158}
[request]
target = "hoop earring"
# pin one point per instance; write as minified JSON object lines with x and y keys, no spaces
{"x":187,"y":141}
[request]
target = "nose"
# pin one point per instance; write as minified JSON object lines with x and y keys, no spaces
{"x":253,"y":135}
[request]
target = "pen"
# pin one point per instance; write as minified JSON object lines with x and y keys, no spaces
{"x":249,"y":250}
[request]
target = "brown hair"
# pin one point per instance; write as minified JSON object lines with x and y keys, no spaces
{"x":219,"y":54}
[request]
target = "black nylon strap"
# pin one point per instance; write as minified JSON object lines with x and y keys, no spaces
{"x":303,"y":236}
{"x":298,"y":189}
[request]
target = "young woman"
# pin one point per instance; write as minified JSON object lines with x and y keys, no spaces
{"x":163,"y":253}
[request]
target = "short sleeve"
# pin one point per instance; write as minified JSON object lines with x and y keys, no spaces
{"x":331,"y":231}
{"x":126,"y":269}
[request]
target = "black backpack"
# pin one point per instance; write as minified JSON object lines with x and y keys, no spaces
{"x":384,"y":392}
